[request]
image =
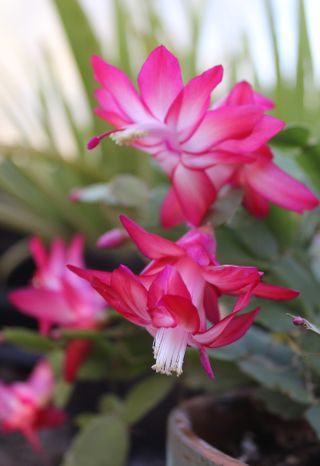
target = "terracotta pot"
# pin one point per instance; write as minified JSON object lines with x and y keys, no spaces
{"x":196,"y":421}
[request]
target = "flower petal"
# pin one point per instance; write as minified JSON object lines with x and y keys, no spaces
{"x":168,"y":281}
{"x":121,"y":89}
{"x":160,"y":81}
{"x":210,"y":303}
{"x":126,"y":295}
{"x":275,"y":185}
{"x":41,"y":381}
{"x":183,"y":311}
{"x":75,"y":251}
{"x":76,"y":353}
{"x":231,"y":278}
{"x":50,"y":417}
{"x":254,"y":203}
{"x":151,"y":245}
{"x":200,"y":245}
{"x":205,"y":362}
{"x":200,"y":162}
{"x":265,"y":129}
{"x":268,"y":291}
{"x":90,"y":274}
{"x":189,"y":107}
{"x":222,"y":124}
{"x":194,"y":192}
{"x":43,"y":304}
{"x":57,"y":258}
{"x":227,"y":331}
{"x":237,"y":327}
{"x":171,"y":213}
{"x":110,"y":109}
{"x":242,"y":94}
{"x":38,"y":252}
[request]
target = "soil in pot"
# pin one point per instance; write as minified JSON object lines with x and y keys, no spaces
{"x":242,"y":428}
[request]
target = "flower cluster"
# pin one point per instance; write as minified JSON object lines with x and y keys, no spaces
{"x":26,"y":406}
{"x":56,"y":297}
{"x":206,"y":149}
{"x":177,"y":294}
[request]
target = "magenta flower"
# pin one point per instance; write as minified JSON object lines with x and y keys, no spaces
{"x":113,"y":238}
{"x":177,"y":294}
{"x":261,"y":179}
{"x":173,"y":123}
{"x":26,"y":406}
{"x":57,"y":297}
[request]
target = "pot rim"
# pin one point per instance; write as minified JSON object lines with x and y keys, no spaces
{"x":180,"y":425}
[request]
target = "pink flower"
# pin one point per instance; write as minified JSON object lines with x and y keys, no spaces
{"x":261,"y":179}
{"x":177,"y":293}
{"x":26,"y":406}
{"x":165,"y":307}
{"x":113,"y":238}
{"x":173,"y":123}
{"x":57,"y":297}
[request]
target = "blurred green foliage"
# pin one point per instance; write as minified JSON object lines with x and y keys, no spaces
{"x":35,"y":183}
{"x":34,"y":189}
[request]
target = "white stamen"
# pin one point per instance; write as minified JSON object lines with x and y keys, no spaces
{"x":128,"y":135}
{"x":169,"y":348}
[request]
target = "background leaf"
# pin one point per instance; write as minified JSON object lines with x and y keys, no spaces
{"x":103,"y":442}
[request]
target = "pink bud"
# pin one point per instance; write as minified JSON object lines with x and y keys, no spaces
{"x":297,"y":320}
{"x":94,"y":142}
{"x":113,"y":238}
{"x":74,"y":195}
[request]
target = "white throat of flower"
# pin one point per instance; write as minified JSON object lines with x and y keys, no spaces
{"x":169,"y":348}
{"x":127,"y":136}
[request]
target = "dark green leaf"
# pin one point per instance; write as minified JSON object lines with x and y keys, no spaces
{"x":225,"y":207}
{"x":110,"y":404}
{"x":145,"y":396}
{"x":279,"y":404}
{"x":82,"y":334}
{"x":255,"y":236}
{"x":292,"y":136}
{"x":103,"y":442}
{"x":272,"y":375}
{"x":28,"y":340}
{"x":313,"y":417}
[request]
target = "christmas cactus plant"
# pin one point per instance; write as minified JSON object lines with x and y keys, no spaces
{"x":220,"y":286}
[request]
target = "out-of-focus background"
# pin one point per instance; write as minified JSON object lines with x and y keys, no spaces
{"x":47,"y":117}
{"x":46,"y":91}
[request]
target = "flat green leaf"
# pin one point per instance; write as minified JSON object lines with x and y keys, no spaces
{"x":103,"y":442}
{"x":255,"y":236}
{"x":225,"y":207}
{"x":283,"y":225}
{"x":279,"y":404}
{"x":256,"y":342}
{"x":110,"y":404}
{"x":145,"y":396}
{"x":309,"y":160}
{"x":82,"y":334}
{"x":292,"y":136}
{"x":227,"y":374}
{"x":61,"y":393}
{"x":269,"y":374}
{"x":273,"y":316}
{"x":310,"y":345}
{"x":28,"y":340}
{"x":295,"y":275}
{"x":313,"y":417}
